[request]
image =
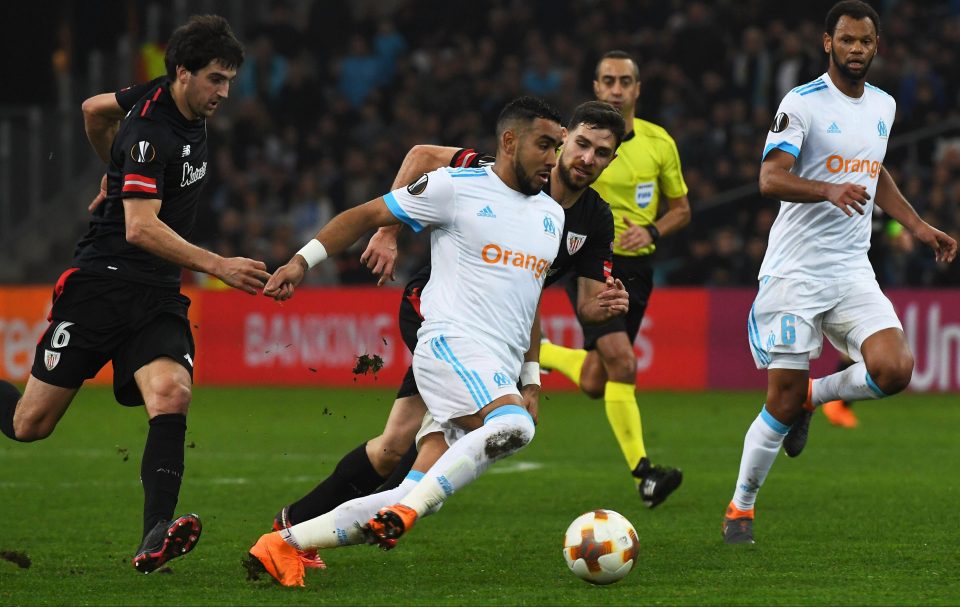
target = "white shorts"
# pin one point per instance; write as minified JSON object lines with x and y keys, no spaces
{"x":451,"y":431}
{"x":790,"y":317}
{"x":457,"y":376}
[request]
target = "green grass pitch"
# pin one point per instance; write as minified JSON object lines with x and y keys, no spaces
{"x":863,"y":517}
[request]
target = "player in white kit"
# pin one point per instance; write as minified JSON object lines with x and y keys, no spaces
{"x":495,"y":235}
{"x":824,"y":160}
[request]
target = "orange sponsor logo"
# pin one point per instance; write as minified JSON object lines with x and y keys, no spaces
{"x":839,"y":164}
{"x":497,"y":255}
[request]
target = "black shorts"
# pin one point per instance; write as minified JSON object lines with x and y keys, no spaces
{"x":410,"y":321}
{"x":96,"y":319}
{"x":636,"y":273}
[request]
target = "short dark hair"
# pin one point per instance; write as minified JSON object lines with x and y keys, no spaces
{"x":525,"y":109}
{"x":851,"y":8}
{"x":199,"y":41}
{"x":616,"y":54}
{"x":599,"y":115}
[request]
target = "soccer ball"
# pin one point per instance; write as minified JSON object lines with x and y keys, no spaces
{"x":601,"y":547}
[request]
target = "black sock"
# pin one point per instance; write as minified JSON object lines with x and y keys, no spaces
{"x":353,"y":477}
{"x":9,"y":396}
{"x":400,"y":472}
{"x":161,"y":469}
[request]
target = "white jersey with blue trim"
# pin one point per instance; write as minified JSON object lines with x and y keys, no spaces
{"x":836,"y":139}
{"x":490,"y":250}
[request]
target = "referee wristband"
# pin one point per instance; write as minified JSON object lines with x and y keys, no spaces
{"x":529,"y":374}
{"x":654,"y":232}
{"x":313,"y":252}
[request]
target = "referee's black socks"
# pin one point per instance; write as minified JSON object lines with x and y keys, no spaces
{"x":9,"y":397}
{"x":161,"y":469}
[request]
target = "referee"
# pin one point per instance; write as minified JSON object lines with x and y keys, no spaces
{"x":120,"y":300}
{"x":646,"y":170}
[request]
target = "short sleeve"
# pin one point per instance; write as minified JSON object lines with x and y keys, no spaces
{"x":129,"y":96}
{"x":671,"y":176}
{"x":789,"y":126}
{"x":142,"y":159}
{"x":428,"y":201}
{"x":595,"y":260}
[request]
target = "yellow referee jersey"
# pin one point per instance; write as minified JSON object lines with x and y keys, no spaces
{"x":647,"y":165}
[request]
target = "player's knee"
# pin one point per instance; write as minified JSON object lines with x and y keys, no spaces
{"x":514,"y":431}
{"x":893,"y":375}
{"x":168,"y":395}
{"x":30,"y":428}
{"x":386,"y":458}
{"x":621,"y":365}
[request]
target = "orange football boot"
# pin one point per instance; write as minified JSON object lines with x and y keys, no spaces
{"x":281,"y":560}
{"x":389,"y":524}
{"x":840,"y":414}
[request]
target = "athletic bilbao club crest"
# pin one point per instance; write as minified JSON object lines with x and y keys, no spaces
{"x":50,"y":359}
{"x":575,"y":242}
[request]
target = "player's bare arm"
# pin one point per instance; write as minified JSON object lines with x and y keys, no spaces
{"x":776,"y":181}
{"x":101,"y":119}
{"x":145,"y":230}
{"x":380,"y":256}
{"x":891,"y":200}
{"x":530,"y":371}
{"x":598,"y":302}
{"x":341,"y":232}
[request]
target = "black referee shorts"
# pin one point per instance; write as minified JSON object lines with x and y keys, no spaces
{"x":636,"y":273}
{"x":410,"y":321}
{"x":96,"y":319}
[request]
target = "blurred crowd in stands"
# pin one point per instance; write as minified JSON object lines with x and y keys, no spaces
{"x":333,"y":94}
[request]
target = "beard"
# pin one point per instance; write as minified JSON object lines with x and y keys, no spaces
{"x":566,"y":176}
{"x":528,"y":185}
{"x":846,"y":71}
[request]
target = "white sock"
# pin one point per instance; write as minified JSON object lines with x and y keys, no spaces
{"x":341,"y":526}
{"x":853,"y":383}
{"x":760,"y":448}
{"x":504,"y":432}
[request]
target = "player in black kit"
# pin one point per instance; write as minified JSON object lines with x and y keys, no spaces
{"x":595,"y":130}
{"x":120,"y":300}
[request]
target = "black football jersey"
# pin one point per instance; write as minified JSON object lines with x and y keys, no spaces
{"x":586,"y":247}
{"x":156,"y":154}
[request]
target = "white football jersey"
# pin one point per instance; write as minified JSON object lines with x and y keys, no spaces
{"x":490,"y":251}
{"x":836,"y":139}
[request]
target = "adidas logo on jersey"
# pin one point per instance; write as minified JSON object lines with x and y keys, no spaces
{"x":833,"y":128}
{"x":486,"y":212}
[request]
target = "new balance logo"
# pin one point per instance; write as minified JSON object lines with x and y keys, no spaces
{"x":486,"y":212}
{"x":833,"y":128}
{"x":188,"y":358}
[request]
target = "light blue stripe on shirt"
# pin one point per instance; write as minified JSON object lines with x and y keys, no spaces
{"x":399,"y":213}
{"x":813,"y":90}
{"x":785,"y":146}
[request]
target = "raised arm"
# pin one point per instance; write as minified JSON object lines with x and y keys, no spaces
{"x":101,"y":119}
{"x":380,"y":256}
